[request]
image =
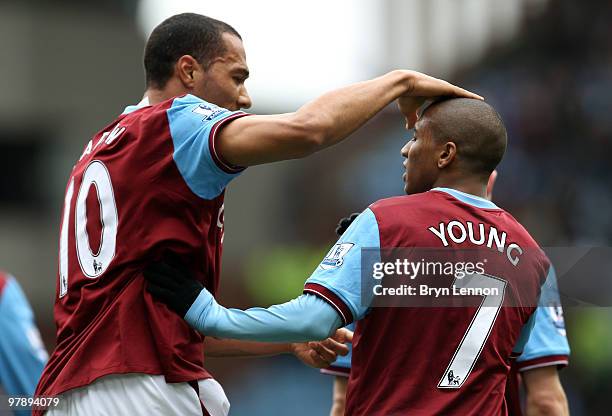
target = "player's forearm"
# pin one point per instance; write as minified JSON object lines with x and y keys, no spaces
{"x":335,"y":115}
{"x":321,"y":123}
{"x":306,"y":318}
{"x":545,"y":394}
{"x":339,"y":400}
{"x":547,"y":406}
{"x":216,"y":347}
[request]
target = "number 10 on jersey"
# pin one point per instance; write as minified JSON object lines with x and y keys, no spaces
{"x":92,"y":264}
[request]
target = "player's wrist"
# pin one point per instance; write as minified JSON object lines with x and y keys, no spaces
{"x":292,"y":348}
{"x":199,"y":309}
{"x":403,"y":80}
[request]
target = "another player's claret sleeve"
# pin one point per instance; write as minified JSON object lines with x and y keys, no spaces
{"x":338,"y":279}
{"x":194,"y":124}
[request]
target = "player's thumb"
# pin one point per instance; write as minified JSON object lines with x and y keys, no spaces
{"x":343,"y":335}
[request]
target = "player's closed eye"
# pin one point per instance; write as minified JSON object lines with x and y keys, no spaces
{"x":238,"y":79}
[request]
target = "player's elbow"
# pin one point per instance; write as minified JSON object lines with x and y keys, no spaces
{"x":547,"y":403}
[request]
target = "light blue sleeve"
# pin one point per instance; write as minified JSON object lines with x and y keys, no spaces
{"x":22,"y":354}
{"x":524,"y":336}
{"x":193,"y":126}
{"x":305,"y":318}
{"x":332,"y":298}
{"x":338,"y":279}
{"x":548,"y":337}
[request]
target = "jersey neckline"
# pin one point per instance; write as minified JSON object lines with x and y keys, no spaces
{"x":469,"y":199}
{"x":131,"y":108}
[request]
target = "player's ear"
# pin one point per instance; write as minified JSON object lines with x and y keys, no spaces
{"x":447,"y":154}
{"x":185,"y":68}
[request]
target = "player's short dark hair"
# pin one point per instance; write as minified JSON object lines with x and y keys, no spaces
{"x":182,"y":34}
{"x":476,"y":129}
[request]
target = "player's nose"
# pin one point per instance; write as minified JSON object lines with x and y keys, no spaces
{"x":405,"y":149}
{"x":244,"y":100}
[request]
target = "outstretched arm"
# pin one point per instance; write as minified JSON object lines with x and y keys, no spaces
{"x":305,"y":318}
{"x":332,"y":296}
{"x":324,"y":121}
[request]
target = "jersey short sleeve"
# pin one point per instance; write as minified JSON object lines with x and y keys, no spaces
{"x":337,"y":279}
{"x":547,"y":344}
{"x":194,"y":124}
{"x":22,"y":354}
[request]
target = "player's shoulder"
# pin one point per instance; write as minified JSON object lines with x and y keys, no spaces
{"x":188,"y":99}
{"x":179,"y":103}
{"x":183,"y":111}
{"x":402,"y":203}
{"x":191,"y":105}
{"x":399,"y":201}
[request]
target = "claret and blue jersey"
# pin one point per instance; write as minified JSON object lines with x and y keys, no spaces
{"x":151,"y":181}
{"x":450,"y":352}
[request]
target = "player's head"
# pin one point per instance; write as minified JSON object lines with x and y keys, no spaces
{"x":456,"y":140}
{"x":191,"y":53}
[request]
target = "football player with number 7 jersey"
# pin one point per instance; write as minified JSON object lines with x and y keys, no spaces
{"x":152,"y":182}
{"x":451,"y":359}
{"x":546,"y":350}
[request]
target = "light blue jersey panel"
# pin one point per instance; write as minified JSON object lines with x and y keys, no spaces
{"x":340,"y":270}
{"x":193,"y":124}
{"x":524,"y":336}
{"x":548,"y":336}
{"x":22,"y":354}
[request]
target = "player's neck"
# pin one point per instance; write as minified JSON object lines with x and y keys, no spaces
{"x":468,"y":186}
{"x":157,"y":96}
{"x":170,"y":90}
